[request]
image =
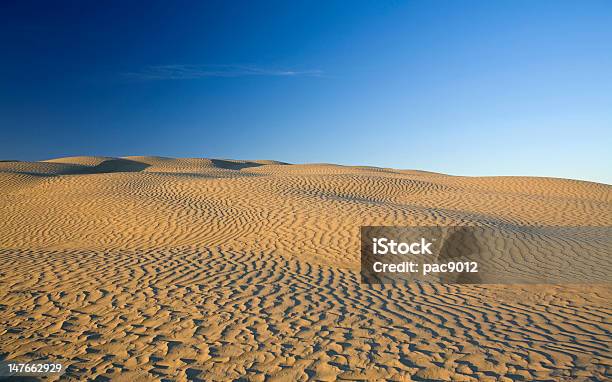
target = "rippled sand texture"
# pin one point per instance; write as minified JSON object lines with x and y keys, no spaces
{"x":147,"y":268}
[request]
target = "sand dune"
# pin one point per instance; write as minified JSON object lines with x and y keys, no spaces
{"x":206,"y":269}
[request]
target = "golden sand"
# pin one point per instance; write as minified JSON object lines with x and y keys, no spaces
{"x":149,"y":268}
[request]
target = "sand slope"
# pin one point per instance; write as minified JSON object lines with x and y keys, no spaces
{"x":207,"y":269}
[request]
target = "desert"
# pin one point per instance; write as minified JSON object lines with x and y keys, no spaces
{"x":155,"y":268}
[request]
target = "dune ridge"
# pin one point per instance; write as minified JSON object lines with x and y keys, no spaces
{"x":148,"y":268}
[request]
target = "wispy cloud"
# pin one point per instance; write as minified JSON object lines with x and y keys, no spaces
{"x":190,"y":72}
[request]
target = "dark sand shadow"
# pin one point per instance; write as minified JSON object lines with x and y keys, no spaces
{"x":115,"y":165}
{"x":230,"y":165}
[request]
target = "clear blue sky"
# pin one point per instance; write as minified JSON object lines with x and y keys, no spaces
{"x":460,"y":87}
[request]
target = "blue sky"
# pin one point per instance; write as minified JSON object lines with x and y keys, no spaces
{"x":460,"y":87}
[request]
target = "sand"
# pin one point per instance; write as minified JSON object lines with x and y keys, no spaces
{"x":150,"y":268}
